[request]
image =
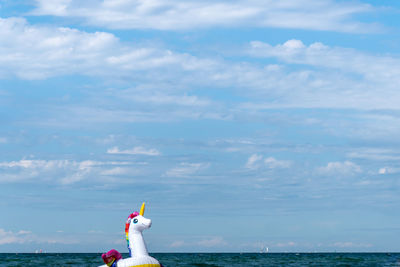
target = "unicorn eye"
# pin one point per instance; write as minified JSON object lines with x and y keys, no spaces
{"x":135,"y":220}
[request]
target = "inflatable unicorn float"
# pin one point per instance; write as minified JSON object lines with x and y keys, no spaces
{"x":139,"y":257}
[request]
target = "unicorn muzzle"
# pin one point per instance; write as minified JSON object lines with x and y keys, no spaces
{"x":146,"y":222}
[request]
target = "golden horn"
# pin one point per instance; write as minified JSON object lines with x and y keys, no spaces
{"x":142,"y":209}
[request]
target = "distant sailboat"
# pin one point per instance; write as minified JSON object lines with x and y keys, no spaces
{"x":264,"y":249}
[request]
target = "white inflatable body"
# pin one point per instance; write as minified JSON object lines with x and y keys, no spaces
{"x":137,"y":247}
{"x":137,"y":262}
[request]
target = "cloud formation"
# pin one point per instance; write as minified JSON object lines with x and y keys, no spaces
{"x":388,"y":170}
{"x":319,"y":55}
{"x":137,"y":150}
{"x":375,"y":154}
{"x":186,"y":169}
{"x":63,"y":172}
{"x":9,"y":237}
{"x":39,"y":52}
{"x":177,"y":244}
{"x":344,"y":78}
{"x":182,"y":15}
{"x":348,"y":244}
{"x":340,"y":168}
{"x":213,"y":242}
{"x":34,"y":52}
{"x":256,"y":161}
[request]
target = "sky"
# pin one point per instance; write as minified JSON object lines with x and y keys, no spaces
{"x":241,"y":124}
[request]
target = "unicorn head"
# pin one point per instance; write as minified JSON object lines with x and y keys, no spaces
{"x":134,"y":226}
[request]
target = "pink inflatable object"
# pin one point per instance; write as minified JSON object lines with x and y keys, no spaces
{"x":110,"y":257}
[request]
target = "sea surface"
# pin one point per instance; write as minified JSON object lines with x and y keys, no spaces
{"x":211,"y":259}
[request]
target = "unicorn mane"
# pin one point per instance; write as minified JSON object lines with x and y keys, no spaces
{"x":127,"y":224}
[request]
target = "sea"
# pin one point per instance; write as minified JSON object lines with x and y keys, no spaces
{"x":210,"y":259}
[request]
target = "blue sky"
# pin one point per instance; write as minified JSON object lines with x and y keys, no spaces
{"x":242,"y":124}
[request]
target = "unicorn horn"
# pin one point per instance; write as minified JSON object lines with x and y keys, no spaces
{"x":142,"y":209}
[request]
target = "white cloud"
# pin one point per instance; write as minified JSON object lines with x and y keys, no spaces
{"x":388,"y":170}
{"x":159,"y":98}
{"x":383,"y":170}
{"x":38,"y":52}
{"x":375,"y":154}
{"x":186,"y":169}
{"x":138,"y":150}
{"x":285,"y":244}
{"x":320,"y":55}
{"x":177,"y":244}
{"x":256,"y":161}
{"x":273,"y":163}
{"x":252,"y":162}
{"x":212,"y":242}
{"x":340,"y":168}
{"x":344,"y":77}
{"x":348,"y":244}
{"x":23,"y":232}
{"x":33,"y":52}
{"x":59,"y":171}
{"x":24,"y":237}
{"x":177,"y":15}
{"x":8,"y":237}
{"x":95,"y":232}
{"x":116,"y":171}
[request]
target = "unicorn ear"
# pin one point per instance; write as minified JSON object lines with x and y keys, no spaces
{"x":142,"y":209}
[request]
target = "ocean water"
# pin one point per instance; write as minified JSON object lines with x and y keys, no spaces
{"x":211,"y":259}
